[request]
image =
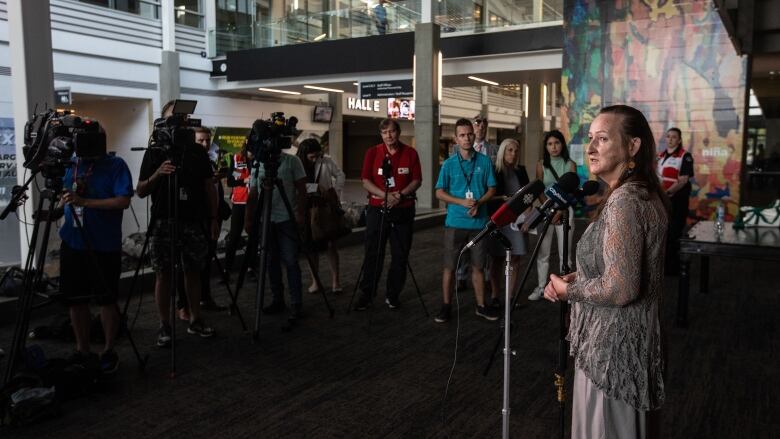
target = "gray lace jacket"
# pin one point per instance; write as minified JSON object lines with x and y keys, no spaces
{"x":615,"y":330}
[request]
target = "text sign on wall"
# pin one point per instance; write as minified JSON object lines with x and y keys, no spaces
{"x":363,"y":104}
{"x":402,"y":88}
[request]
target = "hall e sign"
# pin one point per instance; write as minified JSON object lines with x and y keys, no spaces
{"x":371,"y":105}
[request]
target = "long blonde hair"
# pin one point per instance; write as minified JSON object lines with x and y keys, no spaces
{"x":500,"y":155}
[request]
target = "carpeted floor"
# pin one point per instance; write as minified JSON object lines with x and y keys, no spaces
{"x":382,"y":374}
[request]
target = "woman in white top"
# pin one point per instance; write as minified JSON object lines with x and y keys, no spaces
{"x":555,"y":163}
{"x":325,"y":173}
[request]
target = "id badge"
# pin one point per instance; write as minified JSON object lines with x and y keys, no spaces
{"x":469,"y":195}
{"x":311,"y":188}
{"x":79,"y":211}
{"x":182,"y":194}
{"x":391,"y":182}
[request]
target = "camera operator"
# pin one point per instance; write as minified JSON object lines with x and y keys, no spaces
{"x":196,"y":204}
{"x":282,"y":242}
{"x":97,"y":188}
{"x":405,"y":177}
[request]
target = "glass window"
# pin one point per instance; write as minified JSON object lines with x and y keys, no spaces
{"x":144,"y":8}
{"x":189,"y":13}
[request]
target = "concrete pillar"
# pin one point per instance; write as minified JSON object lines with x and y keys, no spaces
{"x":336,"y":129}
{"x":168,"y":23}
{"x":534,"y":128}
{"x":426,"y":95}
{"x":170,"y":81}
{"x":32,"y":85}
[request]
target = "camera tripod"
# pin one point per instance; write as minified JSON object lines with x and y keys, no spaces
{"x":34,"y":264}
{"x":384,"y":212}
{"x":176,"y":262}
{"x":262,"y":215}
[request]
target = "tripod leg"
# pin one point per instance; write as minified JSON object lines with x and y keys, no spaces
{"x":233,"y":304}
{"x":357,"y":284}
{"x":28,"y":292}
{"x":394,"y":233}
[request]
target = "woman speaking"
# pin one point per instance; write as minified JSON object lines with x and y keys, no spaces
{"x":615,"y":329}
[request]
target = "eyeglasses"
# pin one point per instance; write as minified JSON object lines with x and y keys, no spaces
{"x":480,"y":121}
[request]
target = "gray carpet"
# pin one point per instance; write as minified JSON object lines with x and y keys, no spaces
{"x":344,"y":378}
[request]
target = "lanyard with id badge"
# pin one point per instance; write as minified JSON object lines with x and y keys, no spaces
{"x":469,"y":193}
{"x":79,"y":187}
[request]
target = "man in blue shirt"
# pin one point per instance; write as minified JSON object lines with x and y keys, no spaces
{"x":97,"y":189}
{"x":466,"y":183}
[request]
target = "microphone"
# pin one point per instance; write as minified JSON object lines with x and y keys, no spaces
{"x":564,"y":193}
{"x":387,"y":168}
{"x":510,"y":210}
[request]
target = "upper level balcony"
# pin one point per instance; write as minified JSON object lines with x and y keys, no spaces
{"x":252,"y":24}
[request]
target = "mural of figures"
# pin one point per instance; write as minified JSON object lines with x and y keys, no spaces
{"x":674,"y":62}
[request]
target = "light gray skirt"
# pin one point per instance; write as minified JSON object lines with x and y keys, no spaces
{"x":595,"y":416}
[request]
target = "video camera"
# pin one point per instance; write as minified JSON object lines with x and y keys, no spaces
{"x":269,"y":137}
{"x":173,"y":133}
{"x":51,"y":138}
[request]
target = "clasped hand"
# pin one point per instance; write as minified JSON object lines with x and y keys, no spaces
{"x":471,"y":205}
{"x":557,"y":288}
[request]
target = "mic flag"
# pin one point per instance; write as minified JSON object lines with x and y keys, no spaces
{"x":510,"y":210}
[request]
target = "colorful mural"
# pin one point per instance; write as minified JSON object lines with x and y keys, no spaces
{"x":673,"y":61}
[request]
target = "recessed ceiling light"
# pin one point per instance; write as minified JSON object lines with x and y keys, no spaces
{"x":320,"y":37}
{"x":474,"y":78}
{"x":273,"y":90}
{"x":314,"y":87}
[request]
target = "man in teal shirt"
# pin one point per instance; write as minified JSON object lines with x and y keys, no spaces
{"x":282,"y":242}
{"x":466,"y":183}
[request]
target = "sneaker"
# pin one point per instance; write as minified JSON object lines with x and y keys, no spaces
{"x":537,"y":294}
{"x":164,"y":336}
{"x":487,"y":313}
{"x":109,"y":362}
{"x":393,"y":302}
{"x":199,"y":327}
{"x":211,"y":305}
{"x":444,"y":314}
{"x":362,"y":303}
{"x":85,"y":360}
{"x":184,"y":314}
{"x":276,"y":307}
{"x":495,"y":303}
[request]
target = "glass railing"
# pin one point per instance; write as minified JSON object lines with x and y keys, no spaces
{"x":366,"y":18}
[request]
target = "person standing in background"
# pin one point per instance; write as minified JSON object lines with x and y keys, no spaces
{"x":675,"y":170}
{"x":555,"y":163}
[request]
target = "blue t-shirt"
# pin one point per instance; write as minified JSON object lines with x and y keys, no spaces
{"x":458,"y":176}
{"x":108,"y":177}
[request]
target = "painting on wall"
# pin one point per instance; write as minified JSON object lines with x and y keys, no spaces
{"x":674,"y":62}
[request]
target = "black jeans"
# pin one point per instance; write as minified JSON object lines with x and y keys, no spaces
{"x":236,"y":229}
{"x":398,"y":227}
{"x":677,"y":221}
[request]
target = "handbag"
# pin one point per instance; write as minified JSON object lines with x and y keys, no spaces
{"x":326,"y":217}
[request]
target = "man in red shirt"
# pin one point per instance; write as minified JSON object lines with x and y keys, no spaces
{"x":391,"y":175}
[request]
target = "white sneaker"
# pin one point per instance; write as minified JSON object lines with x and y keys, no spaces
{"x":537,"y":294}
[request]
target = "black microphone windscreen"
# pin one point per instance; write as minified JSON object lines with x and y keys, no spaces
{"x":590,"y":187}
{"x":569,"y":182}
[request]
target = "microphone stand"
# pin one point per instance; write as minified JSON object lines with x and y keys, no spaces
{"x":563,"y":345}
{"x":545,"y":225}
{"x":498,"y":236}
